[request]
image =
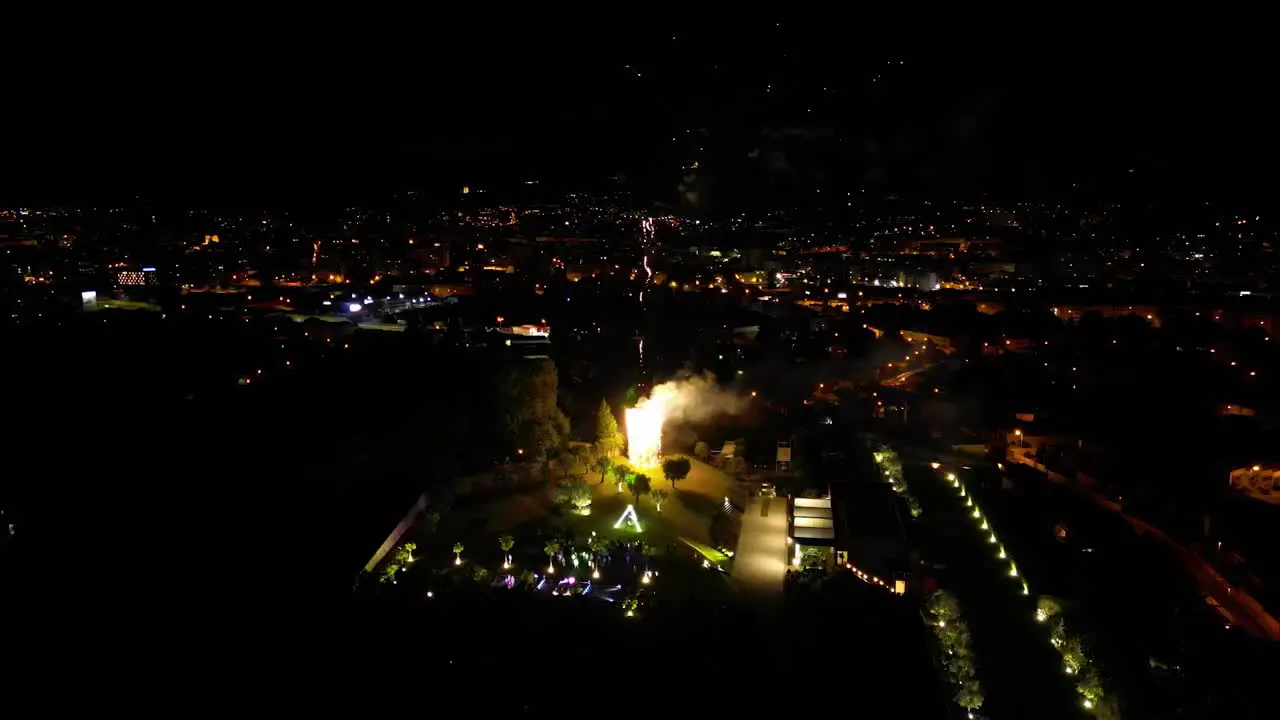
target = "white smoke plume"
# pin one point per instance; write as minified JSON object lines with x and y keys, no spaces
{"x":693,"y":398}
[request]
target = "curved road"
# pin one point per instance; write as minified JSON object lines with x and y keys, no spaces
{"x":1246,"y":612}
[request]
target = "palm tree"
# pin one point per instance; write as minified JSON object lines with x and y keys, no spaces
{"x":506,"y":542}
{"x":404,"y":554}
{"x":598,"y":546}
{"x":646,"y":551}
{"x":457,"y":553}
{"x":551,"y":549}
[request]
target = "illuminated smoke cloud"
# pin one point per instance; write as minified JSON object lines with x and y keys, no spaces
{"x":688,"y":399}
{"x":693,"y":399}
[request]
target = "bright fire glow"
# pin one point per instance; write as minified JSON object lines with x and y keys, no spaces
{"x":689,"y":398}
{"x":644,"y":433}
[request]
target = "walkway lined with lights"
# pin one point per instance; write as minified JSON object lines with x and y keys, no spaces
{"x":761,"y":563}
{"x":1019,"y":672}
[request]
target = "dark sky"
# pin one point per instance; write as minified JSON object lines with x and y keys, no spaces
{"x":215,"y":106}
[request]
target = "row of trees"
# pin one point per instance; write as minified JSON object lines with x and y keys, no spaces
{"x":577,"y":495}
{"x":891,"y":471}
{"x":673,"y":469}
{"x":401,"y":558}
{"x":955,"y":642}
{"x":1076,"y":660}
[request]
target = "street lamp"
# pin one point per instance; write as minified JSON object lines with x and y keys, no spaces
{"x":1019,"y":434}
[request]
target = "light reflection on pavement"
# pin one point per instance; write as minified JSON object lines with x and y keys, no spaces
{"x":761,"y":561}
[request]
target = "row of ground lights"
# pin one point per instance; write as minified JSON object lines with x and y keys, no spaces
{"x":976,"y":514}
{"x":899,"y":586}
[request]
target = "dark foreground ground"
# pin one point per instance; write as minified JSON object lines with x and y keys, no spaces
{"x":189,"y":649}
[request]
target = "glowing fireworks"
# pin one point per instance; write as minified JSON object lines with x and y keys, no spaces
{"x":647,"y":230}
{"x":644,"y":433}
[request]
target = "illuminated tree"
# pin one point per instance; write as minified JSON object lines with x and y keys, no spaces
{"x":608,"y":438}
{"x":598,"y":546}
{"x":969,"y":696}
{"x":621,"y":475}
{"x":701,"y":451}
{"x":404,"y":554}
{"x":603,"y":465}
{"x":388,"y":573}
{"x":659,"y":497}
{"x":955,"y":641}
{"x":943,"y":606}
{"x":1073,"y":653}
{"x":913,"y":505}
{"x":551,"y":549}
{"x":457,"y":553}
{"x":479,"y":574}
{"x":580,"y":498}
{"x":630,"y":605}
{"x":506,"y":542}
{"x":1057,"y":633}
{"x":815,"y":557}
{"x":1047,"y":608}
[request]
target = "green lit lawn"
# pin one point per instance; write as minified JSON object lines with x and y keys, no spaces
{"x":684,"y":522}
{"x":711,"y":554}
{"x":605,"y":511}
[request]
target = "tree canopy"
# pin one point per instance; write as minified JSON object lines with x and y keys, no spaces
{"x":640,"y":485}
{"x":608,"y":438}
{"x":676,"y":469}
{"x":532,"y":420}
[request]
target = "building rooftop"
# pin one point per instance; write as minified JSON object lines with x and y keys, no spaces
{"x":809,"y":519}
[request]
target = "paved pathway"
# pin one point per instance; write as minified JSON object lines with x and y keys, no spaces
{"x":761,"y":562}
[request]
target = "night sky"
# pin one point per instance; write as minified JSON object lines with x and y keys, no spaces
{"x":211,"y":107}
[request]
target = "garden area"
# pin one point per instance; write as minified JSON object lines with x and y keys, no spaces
{"x":600,"y":530}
